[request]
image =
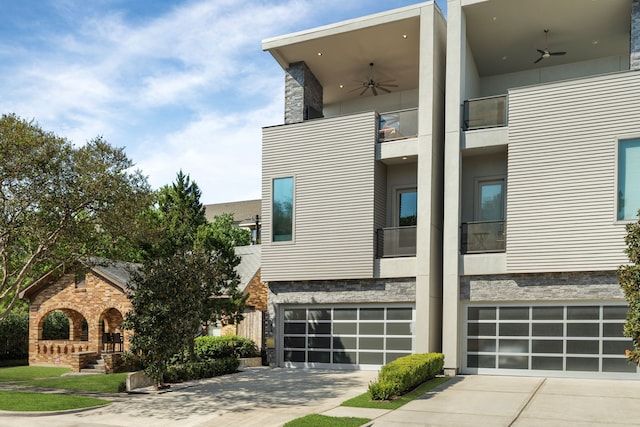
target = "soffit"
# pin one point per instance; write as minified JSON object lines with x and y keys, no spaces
{"x":514,"y":29}
{"x":347,"y":51}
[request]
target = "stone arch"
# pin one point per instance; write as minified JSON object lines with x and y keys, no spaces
{"x":78,"y":324}
{"x":110,"y":320}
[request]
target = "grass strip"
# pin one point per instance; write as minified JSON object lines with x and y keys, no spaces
{"x":316,"y":420}
{"x":112,"y":383}
{"x":28,"y":401}
{"x":24,"y":373}
{"x":364,"y":400}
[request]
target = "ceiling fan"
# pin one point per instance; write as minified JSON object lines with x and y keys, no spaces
{"x":374,"y":85}
{"x":545,"y":53}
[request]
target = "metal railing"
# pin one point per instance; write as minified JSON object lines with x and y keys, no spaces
{"x":482,"y":237}
{"x":398,"y":125}
{"x":396,"y":242}
{"x":485,"y":112}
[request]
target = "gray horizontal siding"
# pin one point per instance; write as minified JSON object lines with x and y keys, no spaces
{"x":332,"y":162}
{"x":562,"y":172}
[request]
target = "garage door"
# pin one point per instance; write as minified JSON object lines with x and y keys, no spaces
{"x":567,"y":340}
{"x":346,"y":337}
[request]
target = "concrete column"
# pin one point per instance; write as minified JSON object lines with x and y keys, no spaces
{"x":634,"y":60}
{"x":302,"y":94}
{"x":456,"y":48}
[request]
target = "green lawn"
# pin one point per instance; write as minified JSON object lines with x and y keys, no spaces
{"x":112,"y":383}
{"x":364,"y":400}
{"x":27,"y":401}
{"x":24,"y":373}
{"x":315,"y":420}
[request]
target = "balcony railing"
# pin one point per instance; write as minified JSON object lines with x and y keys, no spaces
{"x":482,"y":237}
{"x":398,"y":125}
{"x":485,"y":112}
{"x":396,"y":242}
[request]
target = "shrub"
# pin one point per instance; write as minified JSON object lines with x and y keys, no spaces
{"x":14,"y":337}
{"x":197,"y":370}
{"x":207,"y":348}
{"x":404,"y":374}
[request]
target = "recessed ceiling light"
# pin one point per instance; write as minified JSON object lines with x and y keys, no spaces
{"x":595,"y":42}
{"x":404,"y":158}
{"x":319,"y":53}
{"x":404,"y":36}
{"x":504,"y":58}
{"x":341,"y":86}
{"x":495,"y":18}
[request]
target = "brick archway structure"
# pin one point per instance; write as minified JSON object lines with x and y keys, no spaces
{"x":95,"y":293}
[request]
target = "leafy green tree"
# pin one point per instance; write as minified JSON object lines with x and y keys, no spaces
{"x":59,"y":203}
{"x":629,"y":279}
{"x":14,"y":336}
{"x":55,"y":326}
{"x":224,"y":229}
{"x":189,"y":282}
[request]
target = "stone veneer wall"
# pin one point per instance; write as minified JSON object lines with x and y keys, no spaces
{"x":347,"y":292}
{"x":634,"y":60}
{"x":600,"y":285}
{"x":258,"y":293}
{"x":302,"y":91}
{"x":91,"y":302}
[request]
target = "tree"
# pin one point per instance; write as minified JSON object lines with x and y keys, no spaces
{"x":223,"y":229}
{"x":59,"y":203}
{"x":629,"y":279}
{"x":189,"y":282}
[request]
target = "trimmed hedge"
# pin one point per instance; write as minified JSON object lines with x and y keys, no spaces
{"x":404,"y":374}
{"x":197,"y":370}
{"x":209,"y":348}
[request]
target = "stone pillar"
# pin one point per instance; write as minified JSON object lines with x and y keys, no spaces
{"x":634,"y":60}
{"x":302,"y":94}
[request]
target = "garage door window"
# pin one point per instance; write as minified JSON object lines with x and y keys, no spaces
{"x":548,"y":338}
{"x":347,"y":336}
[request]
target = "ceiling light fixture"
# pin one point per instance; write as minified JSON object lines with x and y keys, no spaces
{"x":341,"y":86}
{"x":319,"y":53}
{"x":404,"y":36}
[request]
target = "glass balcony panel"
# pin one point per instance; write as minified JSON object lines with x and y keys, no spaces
{"x":482,"y":237}
{"x":485,"y":112}
{"x":396,"y":242}
{"x":398,"y":125}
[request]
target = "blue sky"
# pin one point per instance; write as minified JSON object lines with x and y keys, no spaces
{"x":180,"y":84}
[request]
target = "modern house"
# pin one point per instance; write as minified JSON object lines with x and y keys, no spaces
{"x":246,"y":214}
{"x":486,"y":221}
{"x":542,"y":167}
{"x":352,"y":189}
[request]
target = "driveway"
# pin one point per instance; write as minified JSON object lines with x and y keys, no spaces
{"x":255,"y":397}
{"x":521,"y":402}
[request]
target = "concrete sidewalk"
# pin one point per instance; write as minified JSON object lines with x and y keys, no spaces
{"x":521,"y":402}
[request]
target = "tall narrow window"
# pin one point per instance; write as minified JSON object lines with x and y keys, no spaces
{"x":282,"y":209}
{"x":490,"y":200}
{"x":407,"y":207}
{"x":628,"y":179}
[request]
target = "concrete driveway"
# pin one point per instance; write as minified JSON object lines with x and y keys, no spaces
{"x":255,"y":397}
{"x":521,"y":402}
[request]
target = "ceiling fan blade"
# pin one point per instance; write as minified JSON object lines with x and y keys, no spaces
{"x":386,"y":85}
{"x":364,"y":90}
{"x":538,"y":60}
{"x":387,"y":81}
{"x":375,"y":92}
{"x":358,"y":88}
{"x":542,"y":52}
{"x":386,"y":90}
{"x":557,"y":53}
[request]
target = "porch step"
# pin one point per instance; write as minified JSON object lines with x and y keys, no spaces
{"x":96,"y":366}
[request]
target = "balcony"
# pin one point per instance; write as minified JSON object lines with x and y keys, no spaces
{"x":396,"y":125}
{"x":483,"y":113}
{"x":483,"y":237}
{"x":396,"y":242}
